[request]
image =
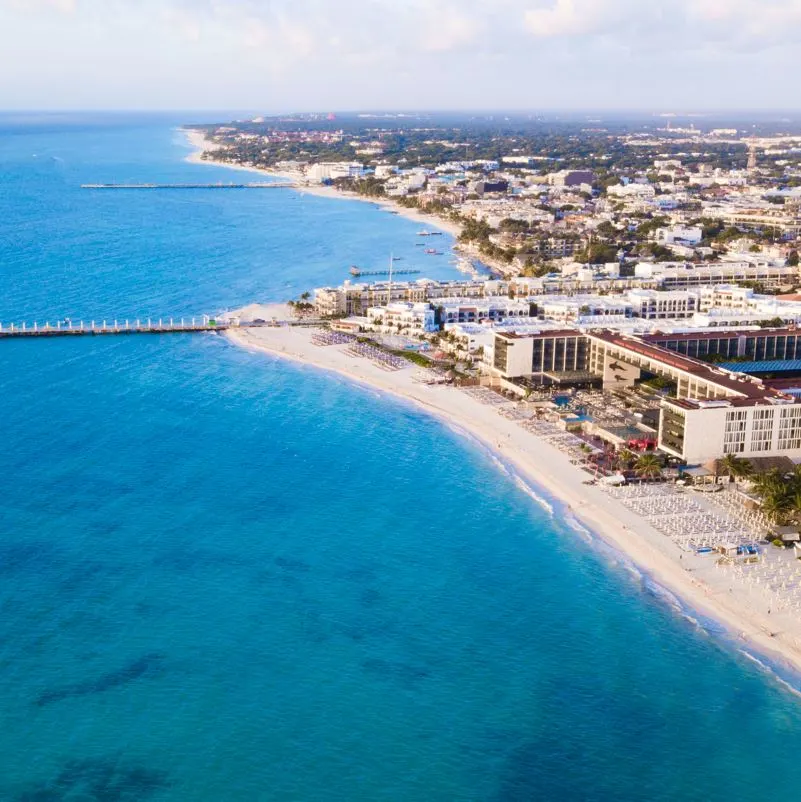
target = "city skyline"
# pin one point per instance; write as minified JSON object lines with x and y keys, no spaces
{"x":515,"y":54}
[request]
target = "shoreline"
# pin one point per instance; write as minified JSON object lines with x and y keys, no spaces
{"x":201,"y":145}
{"x":699,"y":589}
{"x":693,"y":588}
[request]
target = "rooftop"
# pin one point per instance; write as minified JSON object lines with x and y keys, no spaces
{"x":742,"y":387}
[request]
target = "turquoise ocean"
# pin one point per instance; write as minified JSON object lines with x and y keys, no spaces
{"x":225,"y":577}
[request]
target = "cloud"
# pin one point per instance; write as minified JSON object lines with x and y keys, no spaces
{"x":748,"y":21}
{"x":448,"y":28}
{"x":687,"y":24}
{"x":564,"y":18}
{"x":302,"y":53}
{"x":61,"y":6}
{"x":188,"y":25}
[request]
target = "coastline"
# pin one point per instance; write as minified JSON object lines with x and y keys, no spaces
{"x":697,"y":584}
{"x":201,"y":144}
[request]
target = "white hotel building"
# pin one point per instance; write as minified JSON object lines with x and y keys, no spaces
{"x":410,"y":318}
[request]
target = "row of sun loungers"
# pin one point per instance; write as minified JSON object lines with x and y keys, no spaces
{"x":777,"y":578}
{"x":689,"y":525}
{"x":384,"y":360}
{"x":324,"y":337}
{"x":731,"y":504}
{"x":485,"y":396}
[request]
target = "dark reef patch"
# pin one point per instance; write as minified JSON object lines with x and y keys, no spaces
{"x":404,"y":674}
{"x":34,"y":556}
{"x":146,"y":667}
{"x":99,"y":780}
{"x":369,"y":597}
{"x":189,"y":560}
{"x":292,"y":565}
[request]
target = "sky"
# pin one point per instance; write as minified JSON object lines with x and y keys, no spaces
{"x":333,"y":55}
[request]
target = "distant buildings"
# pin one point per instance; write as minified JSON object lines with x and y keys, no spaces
{"x":571,"y":178}
{"x":680,"y":234}
{"x":330,"y":171}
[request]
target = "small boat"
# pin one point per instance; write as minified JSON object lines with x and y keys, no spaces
{"x":434,"y":233}
{"x":433,"y":252}
{"x":423,"y":233}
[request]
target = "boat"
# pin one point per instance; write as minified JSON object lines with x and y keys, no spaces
{"x":423,"y":233}
{"x":433,"y":252}
{"x":434,"y":233}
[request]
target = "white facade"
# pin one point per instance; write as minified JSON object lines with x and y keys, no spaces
{"x":662,"y":305}
{"x":698,"y":431}
{"x":631,"y":191}
{"x":687,"y":274}
{"x":578,"y":308}
{"x":384,"y":171}
{"x":413,"y":318}
{"x":680,"y":234}
{"x":330,"y":171}
{"x":473,"y":310}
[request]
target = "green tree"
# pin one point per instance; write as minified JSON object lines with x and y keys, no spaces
{"x":776,"y":507}
{"x":735,"y":467}
{"x":597,"y":254}
{"x":768,"y":484}
{"x":648,"y":466}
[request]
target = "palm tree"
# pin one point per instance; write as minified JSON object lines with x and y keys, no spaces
{"x":775,"y":507}
{"x":624,"y":459}
{"x":769,"y":484}
{"x":735,"y":467}
{"x":648,"y":466}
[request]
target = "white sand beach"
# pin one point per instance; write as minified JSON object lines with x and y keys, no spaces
{"x":202,"y":145}
{"x":702,"y":585}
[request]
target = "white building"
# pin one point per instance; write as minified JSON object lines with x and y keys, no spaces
{"x":578,"y":308}
{"x":410,"y":318}
{"x":698,"y":430}
{"x":629,"y":191}
{"x":474,"y":310}
{"x":680,"y":234}
{"x":330,"y":171}
{"x":385,"y":171}
{"x":688,"y":274}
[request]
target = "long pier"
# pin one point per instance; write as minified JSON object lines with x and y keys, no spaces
{"x":68,"y":328}
{"x":358,"y":273}
{"x":256,"y":185}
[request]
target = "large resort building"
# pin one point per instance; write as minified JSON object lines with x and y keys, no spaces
{"x":713,"y":411}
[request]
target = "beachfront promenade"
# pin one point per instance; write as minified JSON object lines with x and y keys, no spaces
{"x":68,"y":328}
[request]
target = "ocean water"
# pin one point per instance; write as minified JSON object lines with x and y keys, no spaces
{"x":224,"y":577}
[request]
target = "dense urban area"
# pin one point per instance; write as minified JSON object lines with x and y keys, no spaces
{"x":632,"y":283}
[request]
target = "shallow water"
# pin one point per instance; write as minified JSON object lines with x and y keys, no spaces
{"x":227,"y":577}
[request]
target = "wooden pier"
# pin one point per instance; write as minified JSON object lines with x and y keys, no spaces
{"x":252,"y":185}
{"x":68,"y":328}
{"x":354,"y":271}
